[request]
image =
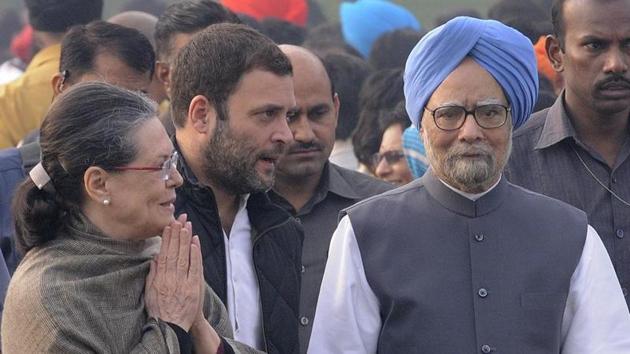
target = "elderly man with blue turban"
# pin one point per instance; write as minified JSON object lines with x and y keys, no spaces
{"x":460,"y":260}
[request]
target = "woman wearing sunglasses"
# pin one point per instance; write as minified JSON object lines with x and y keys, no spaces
{"x":94,"y":277}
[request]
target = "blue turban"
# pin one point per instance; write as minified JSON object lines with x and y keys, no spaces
{"x":414,"y":152}
{"x":362,"y":22}
{"x":503,"y":51}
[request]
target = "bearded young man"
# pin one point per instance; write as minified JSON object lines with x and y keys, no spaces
{"x":231,"y":128}
{"x":461,"y":261}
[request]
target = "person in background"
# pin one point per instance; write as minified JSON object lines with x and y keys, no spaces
{"x":173,"y":30}
{"x":99,"y":51}
{"x":380,"y":92}
{"x":308,"y":185}
{"x":363,"y":21}
{"x":391,"y":49}
{"x":389,"y":162}
{"x":347,"y":73}
{"x":95,"y":278}
{"x":24,"y":102}
{"x":415,"y":153}
{"x":438,"y":265}
{"x":585,"y":136}
{"x":281,"y":31}
{"x":144,"y":23}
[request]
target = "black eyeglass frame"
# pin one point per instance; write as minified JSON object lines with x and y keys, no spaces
{"x":507,"y":109}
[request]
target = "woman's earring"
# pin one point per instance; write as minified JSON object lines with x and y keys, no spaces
{"x":106,"y":202}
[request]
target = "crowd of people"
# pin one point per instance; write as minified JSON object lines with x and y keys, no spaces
{"x":246,"y":176}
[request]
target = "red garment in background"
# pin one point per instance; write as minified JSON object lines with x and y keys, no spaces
{"x":294,"y":11}
{"x":544,"y":65}
{"x":22,"y":44}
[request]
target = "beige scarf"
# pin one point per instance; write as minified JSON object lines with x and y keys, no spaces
{"x":84,"y":292}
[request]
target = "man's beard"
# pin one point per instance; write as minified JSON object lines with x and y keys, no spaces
{"x":468,"y":174}
{"x":230,"y":161}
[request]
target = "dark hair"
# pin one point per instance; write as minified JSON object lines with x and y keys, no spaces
{"x":397,"y":115}
{"x":347,"y":73}
{"x":213,"y":63}
{"x":187,"y":16}
{"x":59,"y":15}
{"x":153,"y":7}
{"x":533,"y":30}
{"x":82,"y":44}
{"x":504,"y":10}
{"x":91,"y":124}
{"x":282,"y":32}
{"x":392,"y":48}
{"x":381,"y":91}
{"x":327,"y":38}
{"x":451,"y":13}
{"x":557,"y":20}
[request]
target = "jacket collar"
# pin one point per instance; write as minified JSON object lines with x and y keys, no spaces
{"x":458,"y":203}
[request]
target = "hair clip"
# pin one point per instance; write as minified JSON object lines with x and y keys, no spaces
{"x":39,"y":176}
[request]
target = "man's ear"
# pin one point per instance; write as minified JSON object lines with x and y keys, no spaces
{"x":163,"y":73}
{"x":96,"y":182}
{"x":337,"y":106}
{"x":554,"y":53}
{"x":57,"y":84}
{"x":202,"y":116}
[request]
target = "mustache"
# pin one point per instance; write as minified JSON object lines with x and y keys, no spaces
{"x":302,"y":146}
{"x":274,"y":153}
{"x":470,"y":149}
{"x":614,"y":80}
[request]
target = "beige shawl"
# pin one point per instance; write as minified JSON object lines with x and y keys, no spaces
{"x":84,"y":292}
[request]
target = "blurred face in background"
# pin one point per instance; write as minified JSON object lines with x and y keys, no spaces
{"x":390,"y":163}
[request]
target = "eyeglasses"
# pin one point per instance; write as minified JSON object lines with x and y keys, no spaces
{"x":166,"y":169}
{"x":488,"y":116}
{"x":391,"y":157}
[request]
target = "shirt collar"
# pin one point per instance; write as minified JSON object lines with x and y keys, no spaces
{"x":45,"y":55}
{"x":557,"y":125}
{"x":339,"y":185}
{"x":471,"y":196}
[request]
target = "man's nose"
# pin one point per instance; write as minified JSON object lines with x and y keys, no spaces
{"x":282,"y":133}
{"x":302,"y":130}
{"x":616,"y":61}
{"x":470,"y":131}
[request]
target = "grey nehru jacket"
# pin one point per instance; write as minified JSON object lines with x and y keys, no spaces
{"x":453,"y":275}
{"x":544,"y":159}
{"x":338,"y":188}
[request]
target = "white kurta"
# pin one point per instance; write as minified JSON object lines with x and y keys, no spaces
{"x":347,"y":320}
{"x":243,"y":293}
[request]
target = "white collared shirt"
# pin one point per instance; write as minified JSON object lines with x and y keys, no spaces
{"x":243,"y":294}
{"x":347,"y":319}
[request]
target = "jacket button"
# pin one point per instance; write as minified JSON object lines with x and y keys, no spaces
{"x":486,"y":348}
{"x":479,"y":237}
{"x":482,"y":292}
{"x":619,"y":233}
{"x":625,"y":291}
{"x":303,"y":270}
{"x":304,"y":321}
{"x":298,"y":220}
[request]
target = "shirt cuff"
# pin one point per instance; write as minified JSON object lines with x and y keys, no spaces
{"x":183,"y":338}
